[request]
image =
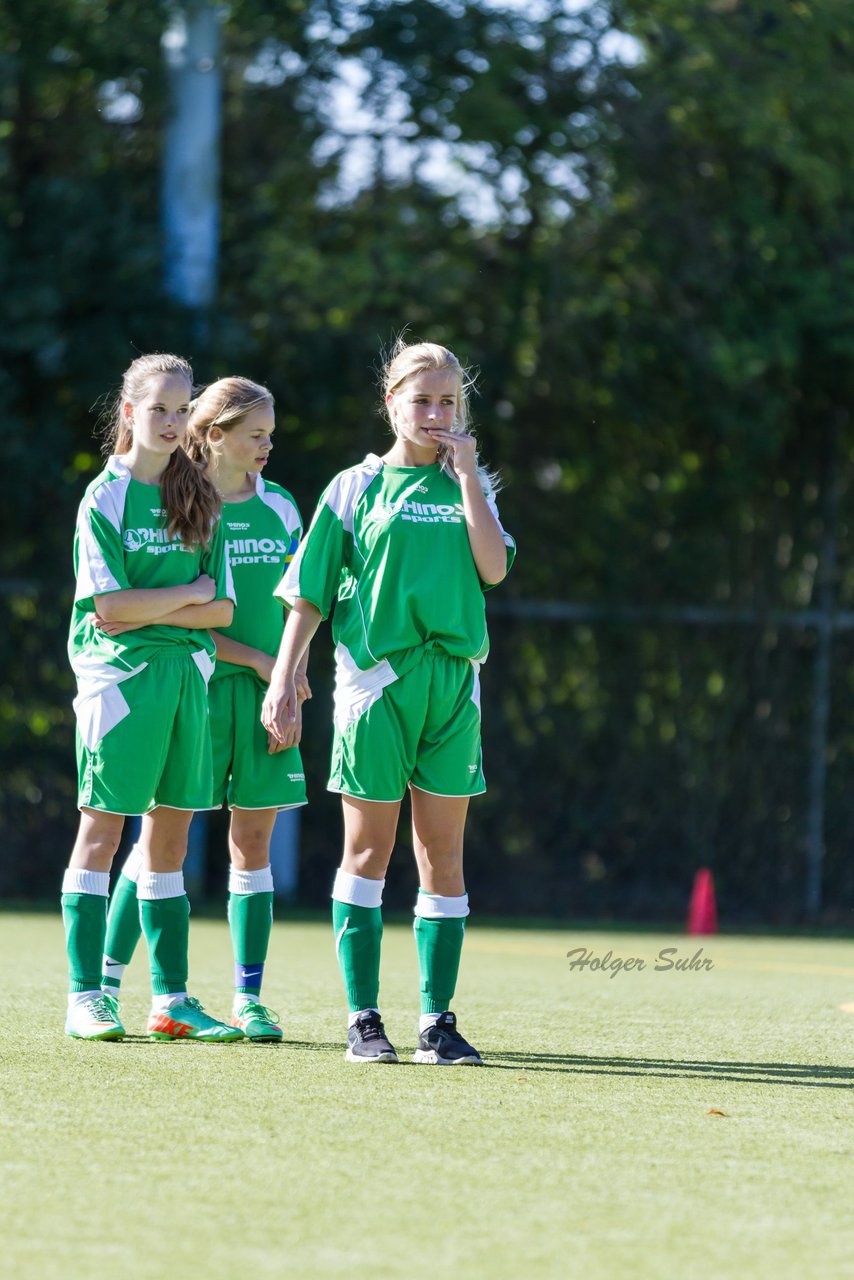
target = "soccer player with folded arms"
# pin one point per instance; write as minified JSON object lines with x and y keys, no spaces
{"x":152,"y":578}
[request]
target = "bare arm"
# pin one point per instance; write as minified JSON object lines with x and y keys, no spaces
{"x":246,"y":655}
{"x":279,"y":712}
{"x":243,"y":655}
{"x":149,"y":604}
{"x":303,"y":689}
{"x":193,"y":617}
{"x":301,"y":678}
{"x":218,"y":613}
{"x":485,"y":538}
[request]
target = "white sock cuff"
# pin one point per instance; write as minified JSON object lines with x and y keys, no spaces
{"x":250,"y":881}
{"x":162,"y":1004}
{"x":78,"y":880}
{"x":80,"y":997}
{"x":133,"y":864}
{"x":154,"y":885}
{"x":432,"y":906}
{"x":357,"y":890}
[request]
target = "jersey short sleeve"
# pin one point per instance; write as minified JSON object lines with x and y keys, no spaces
{"x":99,"y":555}
{"x":314,"y":573}
{"x":215,"y":563}
{"x":321,"y":565}
{"x":509,"y":540}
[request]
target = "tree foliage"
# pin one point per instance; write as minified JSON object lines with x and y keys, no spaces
{"x":636,"y":221}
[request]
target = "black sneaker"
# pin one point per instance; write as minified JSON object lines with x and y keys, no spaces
{"x":366,"y":1040}
{"x":442,"y":1045}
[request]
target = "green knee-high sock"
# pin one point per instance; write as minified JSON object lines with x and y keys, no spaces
{"x":85,"y":918}
{"x":250,"y":918}
{"x":123,"y":931}
{"x":439,"y":944}
{"x":166,"y":925}
{"x":358,"y":938}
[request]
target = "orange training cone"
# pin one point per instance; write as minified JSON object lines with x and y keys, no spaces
{"x":702,"y":911}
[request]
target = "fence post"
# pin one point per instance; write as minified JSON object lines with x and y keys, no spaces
{"x":820,"y":711}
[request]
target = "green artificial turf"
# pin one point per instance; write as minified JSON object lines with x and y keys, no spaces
{"x":589,"y":1146}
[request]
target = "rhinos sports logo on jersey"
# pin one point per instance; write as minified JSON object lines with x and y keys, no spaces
{"x":419,"y":512}
{"x":260,"y":550}
{"x":153,"y":541}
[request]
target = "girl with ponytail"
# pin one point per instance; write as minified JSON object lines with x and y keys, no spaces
{"x":152,"y":578}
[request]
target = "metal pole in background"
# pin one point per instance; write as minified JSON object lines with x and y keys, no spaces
{"x":284,"y":854}
{"x":192,"y":48}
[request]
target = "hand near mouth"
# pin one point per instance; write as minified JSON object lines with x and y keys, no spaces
{"x":462,"y":448}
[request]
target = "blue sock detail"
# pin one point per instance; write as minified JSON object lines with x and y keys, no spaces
{"x":248,"y":978}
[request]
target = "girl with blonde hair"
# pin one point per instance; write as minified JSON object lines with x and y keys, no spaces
{"x":403,"y":547}
{"x":230,"y":438}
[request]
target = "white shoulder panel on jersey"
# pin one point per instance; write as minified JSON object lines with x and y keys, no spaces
{"x":283,"y":507}
{"x":348,"y":486}
{"x":509,"y":540}
{"x":109,"y":498}
{"x":93,"y":573}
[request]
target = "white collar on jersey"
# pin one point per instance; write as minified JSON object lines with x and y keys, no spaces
{"x":114,"y":463}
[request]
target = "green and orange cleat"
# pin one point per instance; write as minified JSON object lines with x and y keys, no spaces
{"x":258,"y":1023}
{"x":188,"y":1021}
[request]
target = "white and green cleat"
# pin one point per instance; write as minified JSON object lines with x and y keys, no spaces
{"x":257,"y":1022}
{"x":96,"y":1018}
{"x":188,"y":1021}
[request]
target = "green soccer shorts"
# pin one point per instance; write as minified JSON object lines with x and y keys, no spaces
{"x":156,"y":747}
{"x":244,"y":773}
{"x":423,"y":729}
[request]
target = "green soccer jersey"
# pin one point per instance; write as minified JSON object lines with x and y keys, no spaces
{"x":389,"y":546}
{"x":262,"y":535}
{"x":121,"y":543}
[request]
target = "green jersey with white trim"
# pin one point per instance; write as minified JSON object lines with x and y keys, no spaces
{"x":121,"y":543}
{"x":262,"y":535}
{"x":389,"y":546}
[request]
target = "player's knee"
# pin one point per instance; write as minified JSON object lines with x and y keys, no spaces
{"x":370,"y":862}
{"x":249,"y":842}
{"x":252,"y":852}
{"x":100,"y":844}
{"x":439,"y":855}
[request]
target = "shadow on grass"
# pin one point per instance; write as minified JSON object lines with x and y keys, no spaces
{"x":793,"y":1074}
{"x":804,"y":1075}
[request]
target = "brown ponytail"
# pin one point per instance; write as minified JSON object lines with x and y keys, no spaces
{"x":191,"y":502}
